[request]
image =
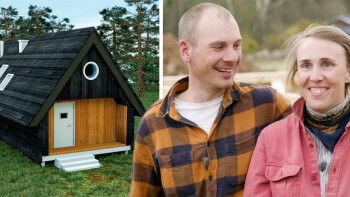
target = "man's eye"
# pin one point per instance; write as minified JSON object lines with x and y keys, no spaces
{"x":236,"y":46}
{"x":327,"y":64}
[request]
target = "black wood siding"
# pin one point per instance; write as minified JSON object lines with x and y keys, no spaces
{"x":104,"y":86}
{"x":26,"y":139}
{"x":130,"y":128}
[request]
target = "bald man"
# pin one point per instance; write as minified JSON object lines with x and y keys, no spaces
{"x":199,"y":139}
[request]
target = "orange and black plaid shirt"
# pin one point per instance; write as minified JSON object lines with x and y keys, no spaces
{"x":175,"y":157}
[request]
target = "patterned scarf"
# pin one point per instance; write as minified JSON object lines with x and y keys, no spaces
{"x":328,"y":126}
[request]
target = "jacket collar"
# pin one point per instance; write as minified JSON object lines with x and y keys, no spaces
{"x":167,"y":105}
{"x":298,"y":108}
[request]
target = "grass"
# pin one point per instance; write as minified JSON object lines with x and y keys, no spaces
{"x":21,"y":176}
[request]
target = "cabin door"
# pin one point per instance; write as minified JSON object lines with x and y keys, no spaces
{"x":64,"y":124}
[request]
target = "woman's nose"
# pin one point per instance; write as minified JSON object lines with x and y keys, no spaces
{"x":316,"y":75}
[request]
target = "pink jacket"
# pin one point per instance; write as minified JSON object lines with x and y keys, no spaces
{"x":284,"y":161}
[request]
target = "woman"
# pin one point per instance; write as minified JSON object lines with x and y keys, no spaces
{"x":308,"y":153}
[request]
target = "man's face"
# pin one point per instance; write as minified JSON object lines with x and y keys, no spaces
{"x":216,"y":53}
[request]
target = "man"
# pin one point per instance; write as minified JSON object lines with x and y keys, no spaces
{"x":199,"y":139}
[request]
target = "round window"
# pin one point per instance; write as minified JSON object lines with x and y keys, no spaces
{"x":90,"y":70}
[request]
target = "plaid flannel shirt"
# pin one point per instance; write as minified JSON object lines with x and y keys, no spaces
{"x":175,"y":157}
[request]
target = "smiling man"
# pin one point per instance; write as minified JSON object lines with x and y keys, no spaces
{"x":199,"y":139}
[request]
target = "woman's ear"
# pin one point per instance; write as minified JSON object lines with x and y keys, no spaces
{"x":347,"y":80}
{"x":185,"y":51}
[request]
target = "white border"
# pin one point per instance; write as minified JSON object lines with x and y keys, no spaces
{"x":3,"y":69}
{"x":95,"y":67}
{"x":5,"y":83}
{"x":161,"y":85}
{"x":1,"y":48}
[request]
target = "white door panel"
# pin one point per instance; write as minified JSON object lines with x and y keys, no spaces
{"x":64,"y":124}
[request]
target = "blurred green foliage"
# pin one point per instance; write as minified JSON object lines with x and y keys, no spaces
{"x":265,"y":24}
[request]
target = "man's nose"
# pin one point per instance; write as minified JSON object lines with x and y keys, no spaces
{"x":230,"y":55}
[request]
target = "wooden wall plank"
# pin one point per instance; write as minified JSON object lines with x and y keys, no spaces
{"x":51,"y":127}
{"x":98,"y":121}
{"x":121,"y":120}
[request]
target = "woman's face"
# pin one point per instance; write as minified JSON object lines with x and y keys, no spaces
{"x":322,"y":73}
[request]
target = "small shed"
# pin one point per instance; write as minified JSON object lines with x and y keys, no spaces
{"x":63,"y":93}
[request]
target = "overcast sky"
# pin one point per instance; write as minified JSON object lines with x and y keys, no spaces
{"x":81,"y":13}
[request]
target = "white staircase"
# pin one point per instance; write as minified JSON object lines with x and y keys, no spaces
{"x":77,"y":163}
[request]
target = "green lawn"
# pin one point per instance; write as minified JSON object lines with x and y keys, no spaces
{"x":21,"y":176}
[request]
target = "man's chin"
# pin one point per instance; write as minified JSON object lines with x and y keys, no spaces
{"x":225,"y":85}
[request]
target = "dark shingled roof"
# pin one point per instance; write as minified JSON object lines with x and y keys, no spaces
{"x":37,"y":71}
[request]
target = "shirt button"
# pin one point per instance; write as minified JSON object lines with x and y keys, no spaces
{"x":311,"y":146}
{"x":210,"y":177}
{"x":208,"y":144}
{"x":314,"y":178}
{"x":334,"y":170}
{"x":323,"y":166}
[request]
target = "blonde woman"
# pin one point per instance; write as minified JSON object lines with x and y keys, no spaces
{"x":308,"y":153}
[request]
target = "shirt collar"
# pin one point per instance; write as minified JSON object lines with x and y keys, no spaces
{"x":167,"y":105}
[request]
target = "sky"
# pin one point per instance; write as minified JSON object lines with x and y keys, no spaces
{"x":81,"y":13}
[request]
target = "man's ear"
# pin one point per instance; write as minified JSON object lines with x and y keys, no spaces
{"x":185,"y":51}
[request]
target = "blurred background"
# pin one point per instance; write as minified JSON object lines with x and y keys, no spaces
{"x":264,"y":26}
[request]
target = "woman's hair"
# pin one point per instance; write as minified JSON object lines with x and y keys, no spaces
{"x":330,"y":33}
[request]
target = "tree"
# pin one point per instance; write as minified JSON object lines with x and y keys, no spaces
{"x":114,"y":26}
{"x":57,"y":25}
{"x":8,"y":20}
{"x":146,"y":11}
{"x":116,"y":33}
{"x":39,"y":21}
{"x":147,"y":67}
{"x":133,"y":39}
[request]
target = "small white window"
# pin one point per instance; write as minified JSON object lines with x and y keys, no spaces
{"x":3,"y":69}
{"x":6,"y":81}
{"x":90,"y":70}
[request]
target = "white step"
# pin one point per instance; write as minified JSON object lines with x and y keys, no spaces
{"x":82,"y":167}
{"x":77,"y":163}
{"x":76,"y":158}
{"x":71,"y":159}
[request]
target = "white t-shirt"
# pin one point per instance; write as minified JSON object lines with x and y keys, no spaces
{"x":203,"y":114}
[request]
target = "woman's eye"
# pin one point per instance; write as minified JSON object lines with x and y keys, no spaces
{"x":307,"y":66}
